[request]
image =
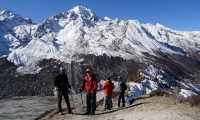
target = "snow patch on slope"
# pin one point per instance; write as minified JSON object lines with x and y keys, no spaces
{"x":156,"y":79}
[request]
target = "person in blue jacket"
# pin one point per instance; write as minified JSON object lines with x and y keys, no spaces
{"x":122,"y":87}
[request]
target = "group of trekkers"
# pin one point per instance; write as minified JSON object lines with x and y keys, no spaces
{"x":90,"y":86}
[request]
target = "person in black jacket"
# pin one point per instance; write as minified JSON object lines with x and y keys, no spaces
{"x":61,"y":82}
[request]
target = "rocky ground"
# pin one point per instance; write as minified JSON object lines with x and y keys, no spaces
{"x":143,"y":108}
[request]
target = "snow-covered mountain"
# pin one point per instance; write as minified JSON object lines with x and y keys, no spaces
{"x":70,"y":36}
{"x":12,"y":31}
{"x":80,"y":31}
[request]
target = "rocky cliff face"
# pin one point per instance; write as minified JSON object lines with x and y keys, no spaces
{"x":15,"y":84}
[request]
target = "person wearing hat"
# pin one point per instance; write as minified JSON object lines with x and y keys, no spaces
{"x":108,"y":87}
{"x":122,"y":87}
{"x":90,"y":86}
{"x":61,"y":82}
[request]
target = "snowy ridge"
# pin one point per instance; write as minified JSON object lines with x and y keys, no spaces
{"x":12,"y":31}
{"x":179,"y":39}
{"x":80,"y":31}
{"x":7,"y":15}
{"x":154,"y":78}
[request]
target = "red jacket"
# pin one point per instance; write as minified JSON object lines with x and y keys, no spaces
{"x":90,"y":84}
{"x":108,"y":86}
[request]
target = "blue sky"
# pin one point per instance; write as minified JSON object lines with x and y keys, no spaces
{"x":176,"y":14}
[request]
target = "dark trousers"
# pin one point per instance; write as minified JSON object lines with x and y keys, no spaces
{"x":91,"y":103}
{"x":64,"y":93}
{"x":121,"y":96}
{"x":107,"y":103}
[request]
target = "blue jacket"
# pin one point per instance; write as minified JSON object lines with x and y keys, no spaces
{"x":122,"y":86}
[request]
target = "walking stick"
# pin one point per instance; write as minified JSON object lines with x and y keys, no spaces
{"x":82,"y":101}
{"x":72,"y":98}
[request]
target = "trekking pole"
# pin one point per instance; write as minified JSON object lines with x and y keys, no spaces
{"x":82,"y":101}
{"x":72,"y":98}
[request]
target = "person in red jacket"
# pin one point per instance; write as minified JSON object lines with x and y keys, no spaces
{"x":108,"y":87}
{"x":90,"y":86}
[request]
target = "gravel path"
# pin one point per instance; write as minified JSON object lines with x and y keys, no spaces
{"x":143,"y":108}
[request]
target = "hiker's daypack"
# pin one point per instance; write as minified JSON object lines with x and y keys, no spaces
{"x":125,"y":86}
{"x":61,"y":81}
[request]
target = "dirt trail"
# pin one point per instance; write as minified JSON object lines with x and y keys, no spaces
{"x":143,"y":108}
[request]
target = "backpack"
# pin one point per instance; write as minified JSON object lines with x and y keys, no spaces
{"x":125,"y":87}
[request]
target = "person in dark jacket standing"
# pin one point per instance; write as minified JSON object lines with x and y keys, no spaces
{"x":90,"y":86}
{"x":122,"y":87}
{"x":61,"y":82}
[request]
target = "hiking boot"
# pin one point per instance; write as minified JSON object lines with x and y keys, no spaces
{"x":93,"y":113}
{"x":61,"y":113}
{"x":86,"y":113}
{"x":70,"y":112}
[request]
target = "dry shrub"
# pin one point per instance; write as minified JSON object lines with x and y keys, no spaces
{"x":100,"y":102}
{"x":193,"y":100}
{"x":137,"y":80}
{"x":176,"y":90}
{"x":166,"y":94}
{"x":115,"y":94}
{"x":136,"y":75}
{"x":159,"y":93}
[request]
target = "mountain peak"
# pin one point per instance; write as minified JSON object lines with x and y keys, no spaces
{"x":82,"y":11}
{"x":79,"y":12}
{"x":9,"y":15}
{"x":5,"y":13}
